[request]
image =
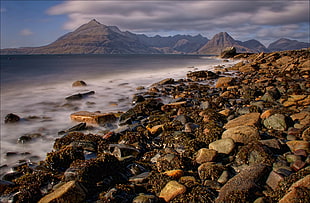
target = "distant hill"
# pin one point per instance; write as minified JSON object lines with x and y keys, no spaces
{"x":287,"y":44}
{"x":96,"y":38}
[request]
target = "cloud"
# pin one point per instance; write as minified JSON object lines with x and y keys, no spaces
{"x":165,"y":16}
{"x":26,"y":32}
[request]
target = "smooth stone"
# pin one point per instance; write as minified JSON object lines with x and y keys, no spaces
{"x":271,"y":143}
{"x":145,"y":198}
{"x":298,"y":144}
{"x":177,"y":173}
{"x":242,"y":134}
{"x":241,"y":187}
{"x":79,"y":83}
{"x":155,"y":129}
{"x":71,"y":191}
{"x":93,"y":117}
{"x":224,"y":146}
{"x":293,"y":196}
{"x":297,"y":165}
{"x":290,"y":158}
{"x":276,"y":122}
{"x":205,"y":155}
{"x":224,"y":82}
{"x":274,"y":179}
{"x":250,"y":119}
{"x":224,"y":177}
{"x":267,"y":113}
{"x":171,"y":190}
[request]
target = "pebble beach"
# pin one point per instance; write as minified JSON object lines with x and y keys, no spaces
{"x":235,"y":134}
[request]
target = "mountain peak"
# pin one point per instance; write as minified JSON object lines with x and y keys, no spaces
{"x":94,"y":22}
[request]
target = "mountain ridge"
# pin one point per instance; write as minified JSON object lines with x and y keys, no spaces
{"x":96,"y":38}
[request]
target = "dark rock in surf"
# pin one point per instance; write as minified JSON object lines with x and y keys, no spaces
{"x":79,"y":83}
{"x":229,"y":52}
{"x":80,"y":95}
{"x":11,"y":118}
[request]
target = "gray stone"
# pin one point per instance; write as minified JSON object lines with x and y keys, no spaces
{"x":205,"y":155}
{"x":276,"y":122}
{"x":224,"y":146}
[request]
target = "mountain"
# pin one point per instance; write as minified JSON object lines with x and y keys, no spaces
{"x":222,"y":40}
{"x":96,"y":38}
{"x":287,"y":44}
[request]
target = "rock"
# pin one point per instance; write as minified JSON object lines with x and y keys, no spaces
{"x":298,"y":144}
{"x":224,"y":177}
{"x":224,"y":82}
{"x":5,"y":185}
{"x":171,"y":190}
{"x":176,"y":174}
{"x":302,"y":118}
{"x":242,"y":134}
{"x":210,"y":171}
{"x":224,"y":146}
{"x":205,"y":155}
{"x":229,"y":52}
{"x":93,"y":117}
{"x":166,"y":81}
{"x":274,"y":179}
{"x":250,"y":119}
{"x":145,"y":198}
{"x":242,"y":187}
{"x":79,"y":83}
{"x":297,"y":165}
{"x":299,"y":191}
{"x":78,"y":127}
{"x":306,"y":135}
{"x":80,"y":95}
{"x":202,"y":75}
{"x":276,"y":122}
{"x":174,"y":105}
{"x":11,"y":118}
{"x":155,"y":129}
{"x":271,"y":143}
{"x":137,"y":99}
{"x":71,"y":191}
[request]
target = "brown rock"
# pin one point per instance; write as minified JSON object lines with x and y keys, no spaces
{"x":274,"y":179}
{"x":267,"y":113}
{"x":93,"y":117}
{"x":298,"y":144}
{"x":241,"y":187}
{"x":298,"y":192}
{"x":205,"y":155}
{"x":224,"y":82}
{"x":171,"y":190}
{"x":79,"y":83}
{"x":177,"y":173}
{"x":303,"y":117}
{"x":71,"y":191}
{"x":306,"y":134}
{"x":250,"y":119}
{"x":175,"y":105}
{"x":242,"y":134}
{"x":224,"y":146}
{"x":153,"y":130}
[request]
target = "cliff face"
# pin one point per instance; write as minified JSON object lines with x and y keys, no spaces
{"x":96,"y":38}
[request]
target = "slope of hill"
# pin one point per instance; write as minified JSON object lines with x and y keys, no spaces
{"x":287,"y":44}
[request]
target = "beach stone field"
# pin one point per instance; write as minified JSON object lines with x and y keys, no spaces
{"x":235,"y":134}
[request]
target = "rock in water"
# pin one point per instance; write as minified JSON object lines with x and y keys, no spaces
{"x":71,"y":191}
{"x":93,"y":117}
{"x":229,"y":52}
{"x":79,"y":83}
{"x":11,"y":118}
{"x":80,"y":95}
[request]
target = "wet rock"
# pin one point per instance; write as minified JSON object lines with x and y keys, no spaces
{"x":224,"y":82}
{"x":93,"y":117}
{"x":176,"y":174}
{"x":122,"y":150}
{"x":80,"y":95}
{"x":71,"y":191}
{"x":78,"y":127}
{"x":171,"y":190}
{"x":175,"y":105}
{"x":242,"y":134}
{"x":137,"y":99}
{"x":5,"y":185}
{"x":79,"y":83}
{"x":298,"y":144}
{"x":224,"y":146}
{"x":243,"y":186}
{"x":205,"y":155}
{"x":166,"y":81}
{"x":251,"y":119}
{"x":11,"y":118}
{"x":139,"y":178}
{"x":276,"y":122}
{"x":202,"y":75}
{"x":274,"y":179}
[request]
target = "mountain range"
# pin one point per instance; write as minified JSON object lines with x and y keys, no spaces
{"x":96,"y":38}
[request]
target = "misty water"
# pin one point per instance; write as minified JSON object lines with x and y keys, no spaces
{"x":35,"y":88}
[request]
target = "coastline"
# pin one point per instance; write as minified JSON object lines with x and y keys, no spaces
{"x":217,"y":140}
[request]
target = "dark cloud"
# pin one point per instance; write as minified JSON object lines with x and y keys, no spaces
{"x":246,"y":19}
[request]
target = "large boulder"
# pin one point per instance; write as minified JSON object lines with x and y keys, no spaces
{"x":229,"y":52}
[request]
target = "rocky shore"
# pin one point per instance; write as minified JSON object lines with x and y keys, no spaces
{"x":238,"y":134}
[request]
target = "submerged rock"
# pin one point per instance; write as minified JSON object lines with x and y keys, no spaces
{"x":11,"y":118}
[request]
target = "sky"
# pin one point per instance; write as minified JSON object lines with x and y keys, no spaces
{"x":40,"y":22}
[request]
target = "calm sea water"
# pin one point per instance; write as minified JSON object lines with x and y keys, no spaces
{"x":36,"y":87}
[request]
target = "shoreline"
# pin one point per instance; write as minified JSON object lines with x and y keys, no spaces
{"x":246,"y":139}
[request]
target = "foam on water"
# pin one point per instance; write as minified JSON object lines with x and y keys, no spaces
{"x":45,"y":111}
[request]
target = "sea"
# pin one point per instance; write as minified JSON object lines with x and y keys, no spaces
{"x":34,"y":87}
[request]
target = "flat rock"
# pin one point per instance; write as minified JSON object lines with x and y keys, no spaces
{"x":224,"y":82}
{"x":303,"y":117}
{"x":298,"y":144}
{"x":224,"y":146}
{"x":276,"y":122}
{"x":242,"y":134}
{"x":274,"y":179}
{"x":250,"y":119}
{"x":171,"y":190}
{"x":205,"y":155}
{"x":93,"y":117}
{"x":71,"y":191}
{"x":241,"y":187}
{"x":296,"y":190}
